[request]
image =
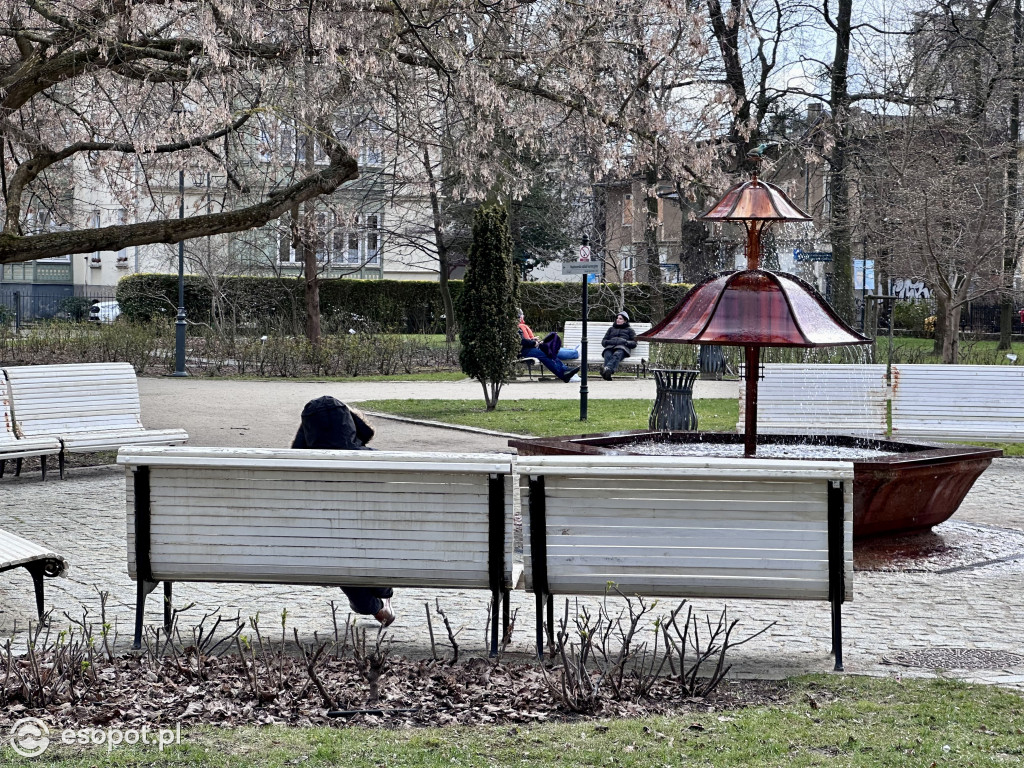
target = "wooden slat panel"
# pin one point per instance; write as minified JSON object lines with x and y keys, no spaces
{"x":573,"y":337}
{"x":400,"y":519}
{"x":762,"y":545}
{"x":820,"y":399}
{"x":958,"y":402}
{"x":16,"y":551}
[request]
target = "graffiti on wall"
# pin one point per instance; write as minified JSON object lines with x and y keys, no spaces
{"x":908,"y":288}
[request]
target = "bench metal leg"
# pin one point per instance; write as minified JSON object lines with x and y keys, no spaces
{"x":168,"y":604}
{"x":140,"y":609}
{"x":3,"y":464}
{"x":540,"y":625}
{"x":37,"y":570}
{"x":495,"y":601}
{"x":551,"y":620}
{"x":42,"y":466}
{"x":60,"y":464}
{"x":17,"y":467}
{"x":837,"y":634}
{"x":505,"y":618}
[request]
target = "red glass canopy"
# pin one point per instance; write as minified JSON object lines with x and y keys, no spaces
{"x":755,"y":200}
{"x":754,"y":308}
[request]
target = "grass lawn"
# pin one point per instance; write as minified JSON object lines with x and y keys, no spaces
{"x":820,"y":721}
{"x":553,"y":417}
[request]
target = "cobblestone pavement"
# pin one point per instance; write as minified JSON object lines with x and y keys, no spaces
{"x":892,"y":614}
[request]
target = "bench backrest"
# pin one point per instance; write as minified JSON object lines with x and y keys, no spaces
{"x":573,"y":337}
{"x":67,"y":399}
{"x":958,"y":402}
{"x":318,"y":517}
{"x":683,"y":527}
{"x":819,"y":399}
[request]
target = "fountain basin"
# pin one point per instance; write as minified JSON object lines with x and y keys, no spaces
{"x":912,"y":487}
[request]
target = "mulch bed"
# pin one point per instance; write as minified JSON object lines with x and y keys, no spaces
{"x":137,"y":690}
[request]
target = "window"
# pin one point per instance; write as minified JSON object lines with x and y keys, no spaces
{"x":627,"y":211}
{"x":373,"y":239}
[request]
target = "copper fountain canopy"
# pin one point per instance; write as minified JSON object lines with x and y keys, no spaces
{"x":754,"y":307}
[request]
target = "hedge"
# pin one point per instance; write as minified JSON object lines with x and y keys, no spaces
{"x":269,"y":303}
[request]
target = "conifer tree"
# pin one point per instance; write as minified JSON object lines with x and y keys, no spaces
{"x":487,"y":309}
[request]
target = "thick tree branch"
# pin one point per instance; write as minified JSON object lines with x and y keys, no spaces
{"x":342,"y":168}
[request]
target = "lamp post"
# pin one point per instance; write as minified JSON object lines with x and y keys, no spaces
{"x":179,"y":323}
{"x":584,"y":256}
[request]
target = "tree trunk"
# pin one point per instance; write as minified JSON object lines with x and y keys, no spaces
{"x":839,"y":230}
{"x":492,"y":389}
{"x":951,"y":340}
{"x":1012,"y":198}
{"x":442,"y":250}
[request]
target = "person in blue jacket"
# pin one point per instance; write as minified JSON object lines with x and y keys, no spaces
{"x":329,"y":424}
{"x":531,"y":347}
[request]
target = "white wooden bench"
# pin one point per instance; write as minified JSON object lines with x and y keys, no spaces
{"x":820,"y":399}
{"x":958,"y":402}
{"x":17,"y":449}
{"x":332,"y":518}
{"x":638,"y":359}
{"x":16,"y":552}
{"x":87,"y":406}
{"x":684,"y":527}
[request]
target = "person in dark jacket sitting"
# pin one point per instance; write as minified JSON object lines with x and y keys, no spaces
{"x":329,"y":424}
{"x":530,"y":347}
{"x":619,"y":340}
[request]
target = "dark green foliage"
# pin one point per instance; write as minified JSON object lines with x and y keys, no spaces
{"x":387,"y":305}
{"x":486,"y":309}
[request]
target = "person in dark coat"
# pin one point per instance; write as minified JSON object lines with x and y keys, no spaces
{"x":619,"y":340}
{"x":329,"y":424}
{"x":531,"y":347}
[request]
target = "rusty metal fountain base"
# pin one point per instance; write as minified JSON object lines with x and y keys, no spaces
{"x":916,"y":486}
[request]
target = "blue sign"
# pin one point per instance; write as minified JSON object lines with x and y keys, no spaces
{"x":799,"y":254}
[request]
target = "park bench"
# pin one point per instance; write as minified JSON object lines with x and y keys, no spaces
{"x":11,"y":447}
{"x":16,"y":552}
{"x":87,"y":407}
{"x":638,"y":358}
{"x":928,"y":402}
{"x":329,"y":518}
{"x":573,"y":338}
{"x":958,"y":402}
{"x":819,"y":399}
{"x":664,"y":526}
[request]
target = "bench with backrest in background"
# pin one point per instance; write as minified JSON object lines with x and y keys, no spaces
{"x":638,"y":358}
{"x":14,"y":448}
{"x":819,"y":399}
{"x":87,"y":407}
{"x":928,"y":402}
{"x":16,"y":552}
{"x":683,"y":527}
{"x":958,"y":402}
{"x":328,"y":518}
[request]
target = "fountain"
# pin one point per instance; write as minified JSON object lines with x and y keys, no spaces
{"x":906,"y":486}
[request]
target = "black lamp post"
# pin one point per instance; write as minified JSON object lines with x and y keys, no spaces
{"x":179,"y":323}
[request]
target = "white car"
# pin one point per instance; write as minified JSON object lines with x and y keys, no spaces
{"x":104,"y":312}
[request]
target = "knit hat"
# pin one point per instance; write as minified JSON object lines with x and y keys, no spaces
{"x":625,"y":314}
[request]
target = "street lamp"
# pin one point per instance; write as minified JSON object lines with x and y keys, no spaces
{"x":179,"y":323}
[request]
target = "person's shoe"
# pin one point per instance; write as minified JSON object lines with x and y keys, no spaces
{"x":385,"y":615}
{"x":567,"y":376}
{"x":606,"y":374}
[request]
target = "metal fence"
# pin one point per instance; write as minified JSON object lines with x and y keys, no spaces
{"x":20,"y":306}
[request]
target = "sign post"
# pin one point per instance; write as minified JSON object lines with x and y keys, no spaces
{"x":584,"y":268}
